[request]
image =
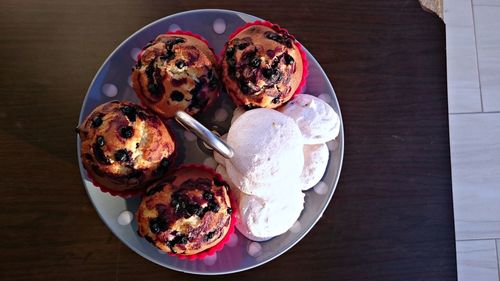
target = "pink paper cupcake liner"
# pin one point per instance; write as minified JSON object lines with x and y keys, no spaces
{"x":219,"y":246}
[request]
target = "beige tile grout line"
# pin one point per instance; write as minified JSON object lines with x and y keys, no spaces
{"x":478,"y":112}
{"x":498,"y":263}
{"x":477,"y":56}
{"x":477,"y":239}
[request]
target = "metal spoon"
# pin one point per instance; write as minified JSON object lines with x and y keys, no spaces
{"x":192,"y":125}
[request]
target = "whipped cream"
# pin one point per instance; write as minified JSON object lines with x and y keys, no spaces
{"x":315,"y":163}
{"x":317,"y":120}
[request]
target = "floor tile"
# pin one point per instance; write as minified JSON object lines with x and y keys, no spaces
{"x":486,"y":2}
{"x":463,"y":79}
{"x":458,"y":12}
{"x":487,"y":26}
{"x":461,"y":57}
{"x":463,"y":100}
{"x":475,"y":161}
{"x":477,"y":260}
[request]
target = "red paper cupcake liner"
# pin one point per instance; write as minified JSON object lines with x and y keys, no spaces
{"x":305,"y":73}
{"x":276,"y":27}
{"x":219,"y":246}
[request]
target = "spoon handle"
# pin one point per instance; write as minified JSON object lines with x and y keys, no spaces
{"x":192,"y":125}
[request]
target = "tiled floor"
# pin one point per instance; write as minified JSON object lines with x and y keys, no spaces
{"x":473,"y":58}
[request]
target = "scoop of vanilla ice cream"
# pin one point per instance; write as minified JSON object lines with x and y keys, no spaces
{"x":315,"y":162}
{"x":262,"y":189}
{"x":238,"y":179}
{"x":317,"y":120}
{"x":268,"y":147}
{"x":263,"y":217}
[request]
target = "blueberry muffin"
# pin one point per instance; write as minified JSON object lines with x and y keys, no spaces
{"x":262,"y":66}
{"x":187,"y":213}
{"x":176,"y":72}
{"x":125,"y":147}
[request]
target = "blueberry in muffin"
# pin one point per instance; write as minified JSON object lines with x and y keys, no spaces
{"x":125,"y":147}
{"x":176,"y":72}
{"x":186,"y":213}
{"x":262,"y":66}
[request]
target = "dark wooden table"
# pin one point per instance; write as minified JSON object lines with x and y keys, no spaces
{"x":391,"y":217}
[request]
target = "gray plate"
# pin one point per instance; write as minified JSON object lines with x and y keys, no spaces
{"x":112,"y":82}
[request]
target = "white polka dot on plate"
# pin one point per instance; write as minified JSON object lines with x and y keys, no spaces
{"x":189,"y":136}
{"x":219,"y":26}
{"x":233,"y":240}
{"x":254,"y":249}
{"x":134,"y":53}
{"x":296,"y":227}
{"x":321,"y":188}
{"x":174,"y":27}
{"x":109,"y":90}
{"x":210,"y":162}
{"x":210,"y":260}
{"x":125,"y":218}
{"x":221,"y":115}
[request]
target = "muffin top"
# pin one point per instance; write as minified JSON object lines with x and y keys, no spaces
{"x":187,"y":213}
{"x":176,"y":72}
{"x":124,"y":146}
{"x":262,"y":66}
